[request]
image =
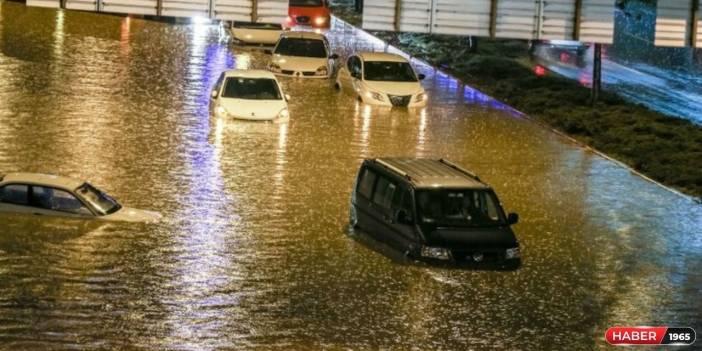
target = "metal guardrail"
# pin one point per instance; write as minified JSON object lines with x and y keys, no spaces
{"x":265,"y":11}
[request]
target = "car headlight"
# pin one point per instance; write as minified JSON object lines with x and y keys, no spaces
{"x":421,"y":97}
{"x":283,"y":113}
{"x":438,"y":253}
{"x":321,"y":20}
{"x":375,"y":96}
{"x":322,"y":71}
{"x":512,"y":253}
{"x":274,"y":68}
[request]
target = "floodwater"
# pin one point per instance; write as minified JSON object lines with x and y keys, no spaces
{"x":253,"y":251}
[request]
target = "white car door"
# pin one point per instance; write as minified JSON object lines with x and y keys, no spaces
{"x":14,"y":198}
{"x":58,"y":203}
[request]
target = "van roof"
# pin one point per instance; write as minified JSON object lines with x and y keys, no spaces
{"x":380,"y":56}
{"x":432,"y":173}
{"x":302,"y":35}
{"x":249,"y":73}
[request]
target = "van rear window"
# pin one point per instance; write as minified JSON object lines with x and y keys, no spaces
{"x":365,"y":186}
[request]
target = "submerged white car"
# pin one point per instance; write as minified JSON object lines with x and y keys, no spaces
{"x":245,"y":33}
{"x":302,"y":54}
{"x":49,"y":195}
{"x":249,"y":95}
{"x":382,"y":79}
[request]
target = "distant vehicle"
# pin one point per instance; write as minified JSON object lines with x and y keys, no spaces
{"x":54,"y":196}
{"x":250,"y":95}
{"x":433,"y":210}
{"x":314,"y":13}
{"x":302,"y":54}
{"x":246,"y":33}
{"x":564,"y":52}
{"x":382,"y":79}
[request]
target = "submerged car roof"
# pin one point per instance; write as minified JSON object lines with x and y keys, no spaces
{"x":43,"y":179}
{"x":432,"y":173}
{"x":381,"y":56}
{"x":249,"y":73}
{"x":302,"y":35}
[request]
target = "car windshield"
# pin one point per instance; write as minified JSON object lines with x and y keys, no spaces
{"x":100,"y":201}
{"x":250,"y":25}
{"x":251,"y":89}
{"x":459,"y":208}
{"x":388,"y":71}
{"x":306,"y":2}
{"x":301,"y":47}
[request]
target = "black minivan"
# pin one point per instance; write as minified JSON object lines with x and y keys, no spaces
{"x":433,"y":210}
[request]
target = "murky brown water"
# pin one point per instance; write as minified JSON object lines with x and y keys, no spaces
{"x":253,"y":252}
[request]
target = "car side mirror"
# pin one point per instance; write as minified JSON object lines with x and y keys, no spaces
{"x":334,"y":56}
{"x":214,"y":94}
{"x":268,"y":51}
{"x":402,"y":217}
{"x":287,"y":97}
{"x":512,"y":218}
{"x":421,"y":76}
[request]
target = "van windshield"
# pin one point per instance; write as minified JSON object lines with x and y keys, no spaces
{"x":305,"y":3}
{"x":459,"y":208}
{"x":388,"y":71}
{"x":301,"y":47}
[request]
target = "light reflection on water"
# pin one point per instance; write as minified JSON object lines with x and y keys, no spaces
{"x":252,"y":253}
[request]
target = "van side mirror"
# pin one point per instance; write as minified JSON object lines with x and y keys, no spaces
{"x":214,"y":94}
{"x":421,"y":76}
{"x":334,"y":56}
{"x":402,"y":217}
{"x":512,"y":218}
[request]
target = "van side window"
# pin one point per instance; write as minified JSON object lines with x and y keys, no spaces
{"x":402,"y":200}
{"x":57,"y":200}
{"x":218,"y":85}
{"x":384,"y":192}
{"x":15,"y":194}
{"x":365,"y":186}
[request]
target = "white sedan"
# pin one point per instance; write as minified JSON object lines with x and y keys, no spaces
{"x":54,"y":196}
{"x":382,"y":79}
{"x":302,"y":54}
{"x":249,"y":95}
{"x":244,"y":33}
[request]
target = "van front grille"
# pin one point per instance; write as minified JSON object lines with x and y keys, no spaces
{"x":400,"y":100}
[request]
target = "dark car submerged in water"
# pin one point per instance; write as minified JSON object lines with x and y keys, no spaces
{"x":435,"y":211}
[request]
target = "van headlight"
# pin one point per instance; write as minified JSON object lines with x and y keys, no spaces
{"x":375,"y":96}
{"x":283,"y":113}
{"x":221,"y":111}
{"x":438,"y":253}
{"x":321,"y":71}
{"x":512,"y":253}
{"x":274,"y":68}
{"x":320,"y":21}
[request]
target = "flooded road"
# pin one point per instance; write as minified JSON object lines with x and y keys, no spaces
{"x":252,"y":253}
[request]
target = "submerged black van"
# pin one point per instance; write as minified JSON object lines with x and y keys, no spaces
{"x":433,"y":210}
